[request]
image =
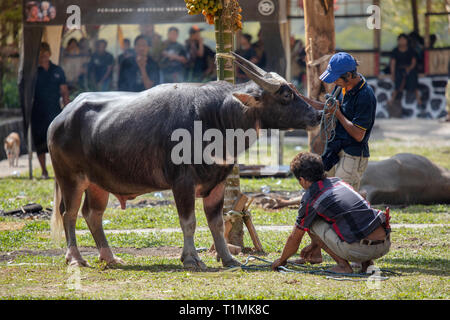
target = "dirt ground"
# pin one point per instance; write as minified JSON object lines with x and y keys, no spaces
{"x":169,"y":252}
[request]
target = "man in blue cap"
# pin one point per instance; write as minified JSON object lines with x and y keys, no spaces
{"x":347,"y":154}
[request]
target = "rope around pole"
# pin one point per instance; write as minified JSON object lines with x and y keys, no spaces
{"x":299,"y":268}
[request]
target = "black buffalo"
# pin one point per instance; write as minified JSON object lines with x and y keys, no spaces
{"x":120,"y":143}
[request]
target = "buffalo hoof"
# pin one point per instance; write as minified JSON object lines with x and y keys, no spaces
{"x":193,"y":264}
{"x":113,"y":261}
{"x":74,"y":259}
{"x":76,"y":262}
{"x":231,"y":263}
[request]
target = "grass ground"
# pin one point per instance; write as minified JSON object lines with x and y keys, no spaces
{"x":33,"y":267}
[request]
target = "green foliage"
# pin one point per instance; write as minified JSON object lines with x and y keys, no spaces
{"x":10,"y":93}
{"x":396,"y":18}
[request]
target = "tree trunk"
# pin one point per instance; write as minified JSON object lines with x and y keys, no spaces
{"x":415,"y":15}
{"x":225,"y":71}
{"x":320,"y":44}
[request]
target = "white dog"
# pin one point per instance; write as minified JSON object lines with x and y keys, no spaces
{"x":12,"y":148}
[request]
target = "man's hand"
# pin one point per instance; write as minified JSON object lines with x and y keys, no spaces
{"x":277,"y":263}
{"x":332,"y":109}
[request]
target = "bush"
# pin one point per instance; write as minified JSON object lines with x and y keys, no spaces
{"x":10,"y":93}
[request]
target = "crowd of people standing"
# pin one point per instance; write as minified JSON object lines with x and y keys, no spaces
{"x":143,"y":63}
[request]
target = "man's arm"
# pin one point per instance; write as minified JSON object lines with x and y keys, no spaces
{"x":393,"y":69}
{"x":412,"y":65}
{"x":107,"y":73}
{"x":64,"y":91}
{"x":290,"y":248}
{"x":148,"y":83}
{"x":354,"y":131}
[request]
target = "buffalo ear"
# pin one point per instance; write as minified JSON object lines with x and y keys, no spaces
{"x":248,"y":100}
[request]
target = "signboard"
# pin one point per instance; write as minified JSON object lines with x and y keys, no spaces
{"x":60,"y":12}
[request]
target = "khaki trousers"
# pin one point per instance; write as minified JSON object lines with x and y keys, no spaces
{"x":350,"y":169}
{"x":354,"y":252}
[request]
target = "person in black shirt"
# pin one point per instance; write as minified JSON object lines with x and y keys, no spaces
{"x":127,"y":51}
{"x":174,"y":58}
{"x":403,"y":69}
{"x":139,"y":72}
{"x":101,"y":66}
{"x":50,"y":87}
{"x":258,"y":46}
{"x":248,"y":52}
{"x":200,"y":66}
{"x":337,"y":219}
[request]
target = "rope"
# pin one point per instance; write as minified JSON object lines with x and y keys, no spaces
{"x":327,"y":122}
{"x":223,"y":55}
{"x":299,"y":268}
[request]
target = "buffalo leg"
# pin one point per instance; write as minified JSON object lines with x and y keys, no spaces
{"x":184,"y":195}
{"x":95,"y":203}
{"x":72,"y":192}
{"x":213,"y":206}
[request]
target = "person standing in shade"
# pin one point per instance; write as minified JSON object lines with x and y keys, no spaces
{"x":50,"y":87}
{"x":139,"y":72}
{"x":258,"y":46}
{"x":403,"y":72}
{"x":101,"y":66}
{"x":174,"y":58}
{"x":127,"y":51}
{"x":246,"y":50}
{"x":200,"y":65}
{"x":154,"y":41}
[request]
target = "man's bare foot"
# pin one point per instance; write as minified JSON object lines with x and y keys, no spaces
{"x":365,"y":265}
{"x":311,"y":261}
{"x":341,"y":268}
{"x":311,"y":253}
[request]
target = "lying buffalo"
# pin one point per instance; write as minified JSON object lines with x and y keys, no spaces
{"x":406,"y":179}
{"x":120,"y":143}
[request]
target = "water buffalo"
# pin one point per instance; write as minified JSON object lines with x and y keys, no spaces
{"x":120,"y":143}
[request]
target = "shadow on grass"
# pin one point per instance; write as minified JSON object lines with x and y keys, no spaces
{"x":420,"y":265}
{"x":166,"y":267}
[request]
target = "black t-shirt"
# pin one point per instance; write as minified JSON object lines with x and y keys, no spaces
{"x":99,"y":65}
{"x":47,"y":93}
{"x":130,"y":77}
{"x":198,"y":65}
{"x":403,"y":59}
{"x":170,"y":66}
{"x":359,"y":106}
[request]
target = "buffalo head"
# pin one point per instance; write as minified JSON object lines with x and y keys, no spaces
{"x":279,"y":104}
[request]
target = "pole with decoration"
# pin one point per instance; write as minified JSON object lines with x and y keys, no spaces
{"x":226,"y":17}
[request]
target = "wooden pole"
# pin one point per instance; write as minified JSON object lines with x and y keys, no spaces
{"x":320,"y":41}
{"x":225,"y":71}
{"x":377,"y":43}
{"x":415,"y":15}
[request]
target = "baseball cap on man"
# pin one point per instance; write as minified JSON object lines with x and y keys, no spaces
{"x":195,"y":29}
{"x":339,"y":64}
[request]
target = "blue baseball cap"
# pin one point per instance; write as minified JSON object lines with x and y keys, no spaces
{"x":339,"y":64}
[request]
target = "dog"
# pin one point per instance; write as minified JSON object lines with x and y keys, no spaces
{"x":12,"y":148}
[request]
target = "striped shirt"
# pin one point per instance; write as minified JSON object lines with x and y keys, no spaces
{"x":337,"y":203}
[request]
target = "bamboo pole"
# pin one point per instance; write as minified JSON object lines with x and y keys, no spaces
{"x":225,"y":71}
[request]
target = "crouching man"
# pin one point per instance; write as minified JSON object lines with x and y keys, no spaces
{"x":337,"y":219}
